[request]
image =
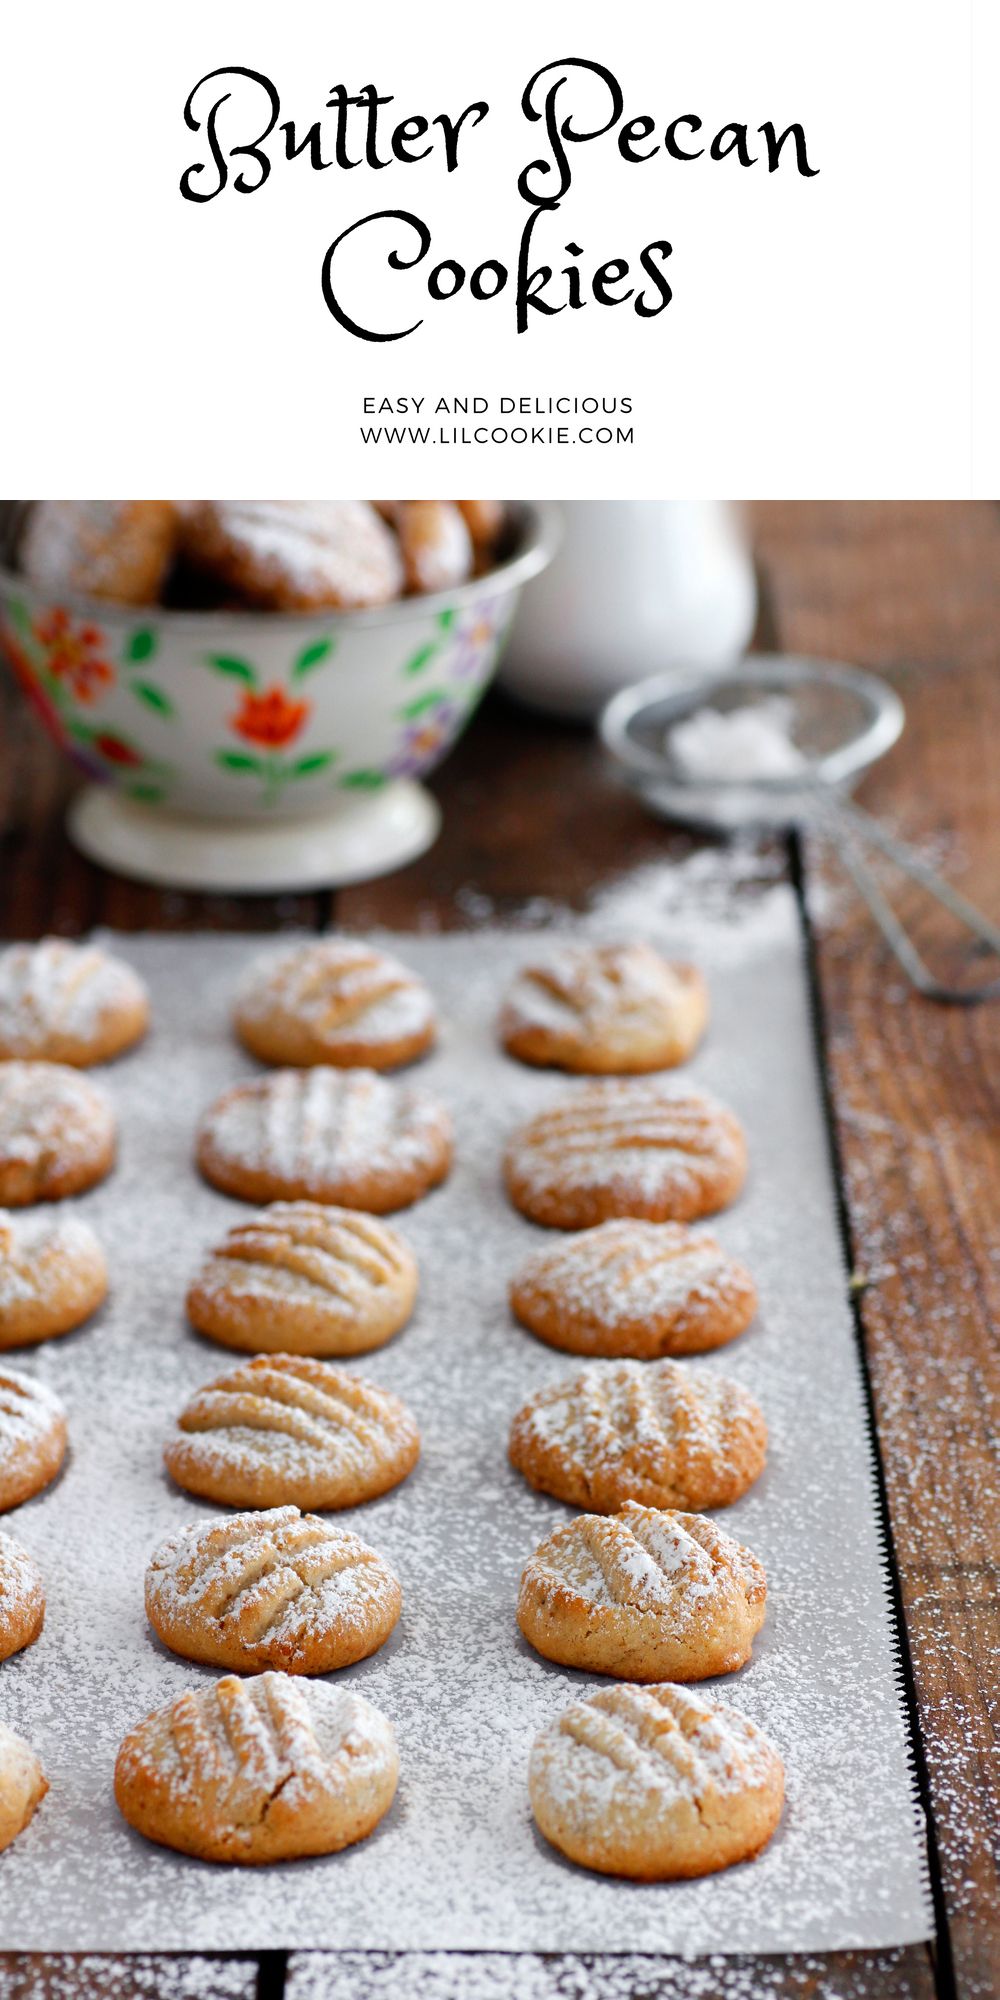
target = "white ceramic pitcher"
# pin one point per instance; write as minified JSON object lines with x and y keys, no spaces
{"x":638,"y":586}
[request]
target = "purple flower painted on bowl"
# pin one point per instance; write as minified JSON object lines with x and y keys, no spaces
{"x":424,"y":741}
{"x":473,"y":639}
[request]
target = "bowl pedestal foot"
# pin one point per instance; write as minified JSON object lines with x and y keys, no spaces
{"x":361,"y":836}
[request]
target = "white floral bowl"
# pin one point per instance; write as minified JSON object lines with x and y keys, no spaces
{"x":259,"y":719}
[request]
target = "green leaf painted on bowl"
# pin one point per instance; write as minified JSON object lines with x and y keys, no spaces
{"x":141,"y":645}
{"x":227,"y":663}
{"x":363,"y":781}
{"x":153,"y":698}
{"x":239,"y":760}
{"x":421,"y":658}
{"x":313,"y":656}
{"x":423,"y":703}
{"x":147,"y":795}
{"x":305,"y":767}
{"x":446,"y":619}
{"x":78,"y":730}
{"x":19,"y":615}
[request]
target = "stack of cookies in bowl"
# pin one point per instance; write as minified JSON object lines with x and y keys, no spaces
{"x":647,"y":1778}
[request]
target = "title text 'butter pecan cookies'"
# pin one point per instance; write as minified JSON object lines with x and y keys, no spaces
{"x":57,"y":1133}
{"x":322,"y":1134}
{"x":295,"y":555}
{"x":655,"y":1150}
{"x":68,"y":1003}
{"x":275,"y":1589}
{"x":654,"y":1431}
{"x":655,"y":1783}
{"x":634,"y":1288}
{"x":646,"y":1595}
{"x":52,"y":1276}
{"x":285,"y":1430}
{"x":22,"y":1598}
{"x":333,"y":1000}
{"x":33,"y":1438}
{"x":605,"y":1009}
{"x":261,"y":1770}
{"x":23,"y":1785}
{"x":303,"y":1278}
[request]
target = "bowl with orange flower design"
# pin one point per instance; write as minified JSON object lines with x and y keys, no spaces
{"x":249,"y":749}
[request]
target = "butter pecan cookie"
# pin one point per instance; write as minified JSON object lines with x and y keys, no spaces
{"x":303,"y":1278}
{"x":634,"y":1288}
{"x":655,"y":1783}
{"x":23,"y":1785}
{"x":33,"y":1438}
{"x":605,"y":1009}
{"x":57,"y":1133}
{"x":337,"y":1001}
{"x":68,"y":1003}
{"x":260,"y":1770}
{"x":52,"y":1276}
{"x":275,"y":1589}
{"x":435,"y":543}
{"x":653,"y":1431}
{"x":120,"y":549}
{"x":295,"y":555}
{"x":345,"y":1136}
{"x":22,"y":1598}
{"x":646,"y":1595}
{"x":656,"y":1150}
{"x":285,"y":1430}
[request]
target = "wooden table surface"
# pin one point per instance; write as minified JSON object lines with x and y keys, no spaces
{"x":531,"y":810}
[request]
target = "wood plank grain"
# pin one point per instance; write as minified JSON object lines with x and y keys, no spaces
{"x":143,"y":1976}
{"x":915,"y":592}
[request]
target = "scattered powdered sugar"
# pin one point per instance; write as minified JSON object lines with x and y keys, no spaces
{"x":752,"y":741}
{"x":457,"y":1864}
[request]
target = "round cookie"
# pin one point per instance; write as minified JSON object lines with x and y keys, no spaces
{"x":68,"y":1003}
{"x":22,"y":1598}
{"x":261,"y":1770}
{"x":276,"y":1589}
{"x":345,"y":1136}
{"x":655,"y":1431}
{"x":284,"y":1430}
{"x":57,"y":1133}
{"x":33,"y":1438}
{"x":435,"y":544}
{"x":52,"y":1276}
{"x":304,"y":1279}
{"x":634,"y":1288}
{"x":295,"y":555}
{"x":646,"y":1595}
{"x":23,"y":1785}
{"x":333,"y":1000}
{"x":605,"y":1009}
{"x":121,"y":549}
{"x":655,"y":1150}
{"x":655,"y":1783}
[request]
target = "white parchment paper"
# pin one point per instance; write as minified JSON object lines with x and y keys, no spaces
{"x":457,"y":1864}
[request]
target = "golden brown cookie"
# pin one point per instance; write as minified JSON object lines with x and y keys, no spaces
{"x":33,"y":1438}
{"x":23,"y":1785}
{"x":646,"y":1595}
{"x":303,"y":1278}
{"x":485,"y":521}
{"x":260,"y":1770}
{"x":275,"y":1589}
{"x":57,"y":1133}
{"x":605,"y":1009}
{"x":662,"y":1151}
{"x":68,"y":1003}
{"x":22,"y":1598}
{"x":633,"y":1288}
{"x":284,"y":1430}
{"x":337,"y":1001}
{"x":52,"y":1276}
{"x":654,"y":1431}
{"x":345,"y":1136}
{"x":435,"y":543}
{"x":295,"y":555}
{"x":655,"y":1783}
{"x":120,"y":549}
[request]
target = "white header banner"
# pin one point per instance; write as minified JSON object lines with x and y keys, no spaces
{"x":717,"y":248}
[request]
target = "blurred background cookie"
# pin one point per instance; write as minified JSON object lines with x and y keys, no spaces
{"x":53,"y":1275}
{"x":122,"y":549}
{"x":334,"y":1000}
{"x":68,"y":1003}
{"x":57,"y":1133}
